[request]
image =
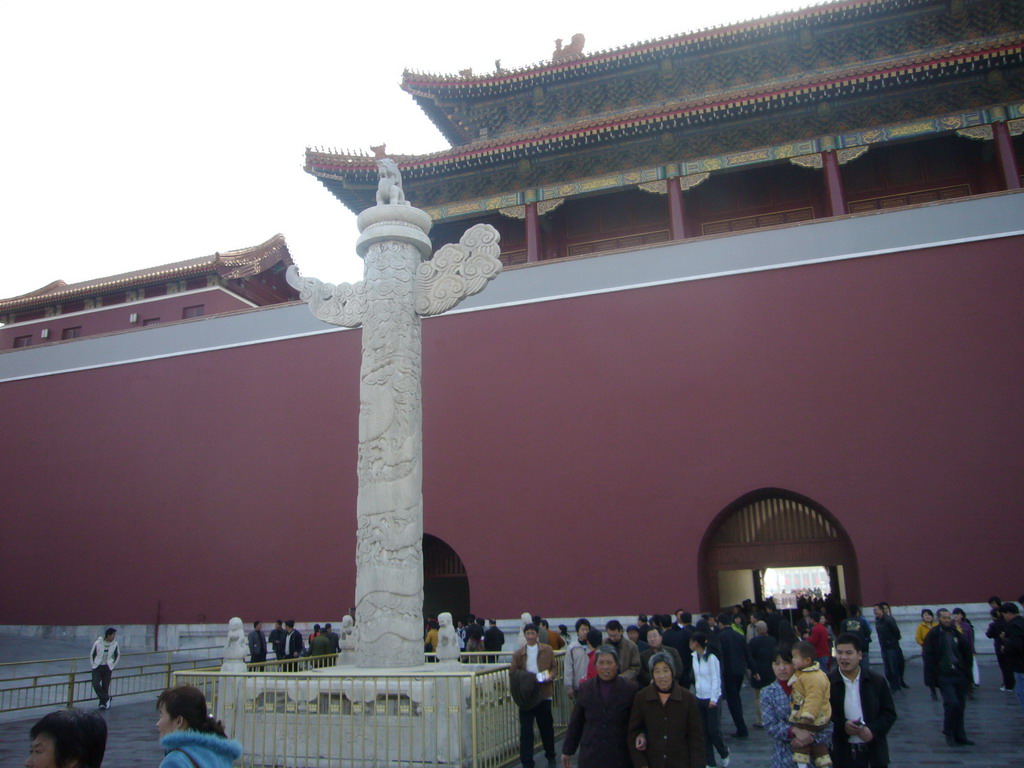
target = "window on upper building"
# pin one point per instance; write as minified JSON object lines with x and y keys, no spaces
{"x":196,"y":311}
{"x":151,"y":321}
{"x":71,"y":333}
{"x":22,"y":341}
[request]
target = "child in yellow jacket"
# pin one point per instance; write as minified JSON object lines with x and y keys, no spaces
{"x":811,"y":709}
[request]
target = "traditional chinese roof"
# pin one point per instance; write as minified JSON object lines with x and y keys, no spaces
{"x":229,"y":265}
{"x":352,"y":176}
{"x":438,"y":95}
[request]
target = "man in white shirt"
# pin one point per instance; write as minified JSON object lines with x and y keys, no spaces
{"x":293,"y":645}
{"x":104,"y":657}
{"x":862,"y":709}
{"x":537,"y":659}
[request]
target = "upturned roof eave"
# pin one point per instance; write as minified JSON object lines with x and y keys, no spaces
{"x":327,"y":165}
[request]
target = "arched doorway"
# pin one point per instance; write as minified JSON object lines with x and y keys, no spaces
{"x":445,"y":583}
{"x":772,"y":528}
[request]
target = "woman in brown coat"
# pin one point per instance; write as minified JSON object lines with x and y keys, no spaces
{"x":664,"y":724}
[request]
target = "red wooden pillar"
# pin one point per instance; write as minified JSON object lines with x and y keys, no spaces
{"x":532,"y":233}
{"x":676,"y":217}
{"x":1008,"y":166}
{"x":833,"y":183}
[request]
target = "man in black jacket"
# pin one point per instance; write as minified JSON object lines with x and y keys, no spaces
{"x":1012,"y":638}
{"x":494,"y":639}
{"x":889,"y":637}
{"x":862,"y":709}
{"x":293,"y":645}
{"x":947,"y":660}
{"x":277,"y":636}
{"x":734,"y":655}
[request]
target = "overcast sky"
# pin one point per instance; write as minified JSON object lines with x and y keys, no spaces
{"x":140,"y":133}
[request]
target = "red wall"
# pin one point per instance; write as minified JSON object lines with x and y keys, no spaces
{"x":576,"y":451}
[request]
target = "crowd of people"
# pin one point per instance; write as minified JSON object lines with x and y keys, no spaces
{"x":654,"y":696}
{"x":648,"y":695}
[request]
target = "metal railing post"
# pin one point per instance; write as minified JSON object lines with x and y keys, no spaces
{"x":71,"y":683}
{"x":473,"y":721}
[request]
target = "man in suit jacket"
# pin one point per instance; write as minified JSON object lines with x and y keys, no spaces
{"x":257,"y":644}
{"x":494,"y":640}
{"x":538,"y":659}
{"x":862,"y":709}
{"x":947,"y":658}
{"x":293,"y":645}
{"x":277,"y":636}
{"x":735,"y":657}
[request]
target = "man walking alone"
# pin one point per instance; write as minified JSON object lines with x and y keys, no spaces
{"x":947,"y":660}
{"x":104,"y":657}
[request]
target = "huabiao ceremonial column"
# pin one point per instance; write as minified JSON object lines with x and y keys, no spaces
{"x":398,"y":288}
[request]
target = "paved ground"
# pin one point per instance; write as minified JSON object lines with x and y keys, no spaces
{"x":994,"y":720}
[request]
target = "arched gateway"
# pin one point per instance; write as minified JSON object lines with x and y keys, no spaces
{"x":772,"y":528}
{"x":445,"y":583}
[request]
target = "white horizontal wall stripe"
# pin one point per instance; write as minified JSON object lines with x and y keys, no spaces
{"x":815,"y":242}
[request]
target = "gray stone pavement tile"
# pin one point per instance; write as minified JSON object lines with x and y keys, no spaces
{"x":131,"y":736}
{"x":994,"y":720}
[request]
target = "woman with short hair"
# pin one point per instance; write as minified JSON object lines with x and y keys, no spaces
{"x":664,"y":724}
{"x":67,"y":738}
{"x":189,"y":736}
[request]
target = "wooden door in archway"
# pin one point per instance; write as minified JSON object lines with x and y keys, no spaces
{"x":774,"y":528}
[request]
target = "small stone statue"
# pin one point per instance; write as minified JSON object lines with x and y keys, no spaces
{"x":447,"y":640}
{"x":389,"y":188}
{"x":347,"y":640}
{"x":235,"y":649}
{"x":526,"y":618}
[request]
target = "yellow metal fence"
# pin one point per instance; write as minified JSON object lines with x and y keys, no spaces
{"x":443,"y":715}
{"x":67,"y":682}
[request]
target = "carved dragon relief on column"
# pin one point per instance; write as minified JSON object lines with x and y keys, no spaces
{"x":398,"y":288}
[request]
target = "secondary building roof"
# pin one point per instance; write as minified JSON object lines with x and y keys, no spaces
{"x":244,"y":262}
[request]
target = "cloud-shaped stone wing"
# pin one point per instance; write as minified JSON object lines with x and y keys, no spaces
{"x":335,"y":304}
{"x":458,"y":271}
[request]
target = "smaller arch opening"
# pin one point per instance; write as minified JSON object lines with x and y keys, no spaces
{"x":445,"y":581}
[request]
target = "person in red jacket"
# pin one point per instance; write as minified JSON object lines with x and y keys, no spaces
{"x":818,"y":637}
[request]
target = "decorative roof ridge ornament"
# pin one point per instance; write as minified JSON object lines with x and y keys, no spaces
{"x":695,"y":36}
{"x":571,"y":52}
